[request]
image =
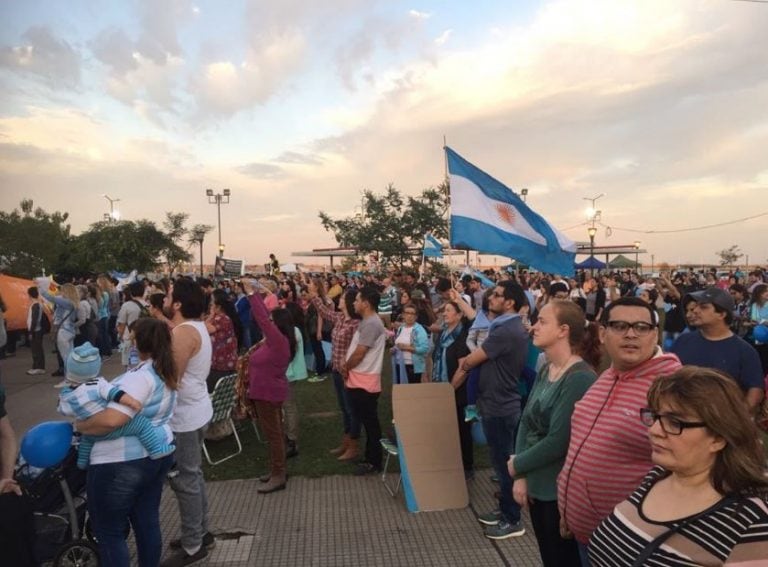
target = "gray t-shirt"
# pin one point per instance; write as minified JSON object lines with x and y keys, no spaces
{"x":498,"y":392}
{"x":128,"y":313}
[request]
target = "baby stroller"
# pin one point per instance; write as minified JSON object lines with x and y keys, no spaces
{"x":55,"y":487}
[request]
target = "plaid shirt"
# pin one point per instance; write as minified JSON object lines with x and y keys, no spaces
{"x":341,"y":335}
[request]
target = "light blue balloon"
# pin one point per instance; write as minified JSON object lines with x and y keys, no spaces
{"x":47,"y":443}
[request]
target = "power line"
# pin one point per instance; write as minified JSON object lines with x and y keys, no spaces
{"x":686,"y":229}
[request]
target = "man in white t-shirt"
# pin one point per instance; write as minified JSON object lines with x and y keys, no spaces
{"x":362,"y":375}
{"x":192,"y":351}
{"x":130,"y":310}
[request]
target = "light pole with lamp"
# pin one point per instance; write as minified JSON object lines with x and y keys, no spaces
{"x":637,"y":263}
{"x":113,"y":214}
{"x":524,"y":193}
{"x":218,"y":199}
{"x":592,"y":231}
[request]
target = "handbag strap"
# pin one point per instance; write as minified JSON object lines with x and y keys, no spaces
{"x":659,"y":540}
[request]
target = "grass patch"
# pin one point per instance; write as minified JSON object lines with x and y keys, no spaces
{"x":320,"y":430}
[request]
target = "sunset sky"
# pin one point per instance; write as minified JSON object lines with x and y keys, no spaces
{"x":298,"y":106}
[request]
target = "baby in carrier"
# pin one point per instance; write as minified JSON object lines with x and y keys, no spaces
{"x":86,"y":394}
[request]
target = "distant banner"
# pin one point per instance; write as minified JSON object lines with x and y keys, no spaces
{"x":226,"y":268}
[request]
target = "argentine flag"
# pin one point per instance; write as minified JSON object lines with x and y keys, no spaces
{"x":489,"y":217}
{"x":432,"y":247}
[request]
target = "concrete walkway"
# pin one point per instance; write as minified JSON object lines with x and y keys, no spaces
{"x":327,"y":522}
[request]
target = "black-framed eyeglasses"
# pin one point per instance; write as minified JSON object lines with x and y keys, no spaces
{"x":670,"y":424}
{"x":641,"y":328}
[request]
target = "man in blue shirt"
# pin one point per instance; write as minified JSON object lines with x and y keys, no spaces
{"x":713,"y":344}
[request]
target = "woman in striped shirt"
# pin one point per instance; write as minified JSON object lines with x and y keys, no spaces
{"x":123,"y":481}
{"x":706,"y":501}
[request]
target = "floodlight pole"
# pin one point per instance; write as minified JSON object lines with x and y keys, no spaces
{"x":218,"y":199}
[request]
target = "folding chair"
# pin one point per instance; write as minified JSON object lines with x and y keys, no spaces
{"x":390,"y":449}
{"x":223,"y":400}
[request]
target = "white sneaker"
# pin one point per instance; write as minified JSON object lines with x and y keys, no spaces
{"x":60,"y":385}
{"x":35,"y":371}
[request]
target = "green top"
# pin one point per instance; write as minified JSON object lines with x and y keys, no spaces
{"x":545,"y":428}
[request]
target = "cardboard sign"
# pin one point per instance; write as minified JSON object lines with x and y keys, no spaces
{"x":428,"y":446}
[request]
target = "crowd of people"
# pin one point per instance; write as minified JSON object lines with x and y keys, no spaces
{"x":622,"y":411}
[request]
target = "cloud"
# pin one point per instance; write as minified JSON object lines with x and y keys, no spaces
{"x":415,"y":14}
{"x":298,"y":158}
{"x":260,"y":170}
{"x":275,"y":218}
{"x":223,"y":88}
{"x":44,"y":55}
{"x":443,"y":38}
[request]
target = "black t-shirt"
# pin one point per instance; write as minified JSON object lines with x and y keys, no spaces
{"x":3,"y":413}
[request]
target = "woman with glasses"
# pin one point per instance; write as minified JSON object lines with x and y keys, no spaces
{"x":411,"y":347}
{"x":572,"y":350}
{"x":706,"y":500}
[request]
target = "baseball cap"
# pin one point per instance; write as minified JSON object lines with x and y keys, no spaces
{"x":713,"y":295}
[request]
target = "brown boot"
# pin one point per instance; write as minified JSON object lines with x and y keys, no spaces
{"x":276,"y":482}
{"x":265,"y":477}
{"x":341,"y":448}
{"x":352,"y":452}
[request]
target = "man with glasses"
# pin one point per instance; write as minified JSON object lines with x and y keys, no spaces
{"x":501,"y":359}
{"x":714,"y":345}
{"x":609,"y":452}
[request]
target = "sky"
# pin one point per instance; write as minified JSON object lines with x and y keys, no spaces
{"x":299,"y":106}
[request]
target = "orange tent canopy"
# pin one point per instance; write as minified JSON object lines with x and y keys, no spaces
{"x":17,"y":301}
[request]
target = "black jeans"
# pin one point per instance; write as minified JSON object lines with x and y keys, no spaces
{"x":38,"y":356}
{"x":465,"y":438}
{"x":365,"y":407}
{"x":412,"y":377}
{"x":317,"y":350}
{"x":555,"y":551}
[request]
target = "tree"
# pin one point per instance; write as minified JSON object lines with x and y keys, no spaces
{"x":729,"y":256}
{"x":32,"y":240}
{"x":175,"y":230}
{"x":123,"y":246}
{"x":392,"y":226}
{"x":196,"y":235}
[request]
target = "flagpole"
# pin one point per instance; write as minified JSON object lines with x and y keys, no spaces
{"x":447,"y":179}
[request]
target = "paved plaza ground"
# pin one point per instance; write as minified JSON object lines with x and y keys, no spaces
{"x":330,"y":521}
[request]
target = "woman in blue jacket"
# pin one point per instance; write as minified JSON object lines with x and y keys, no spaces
{"x":411,"y":348}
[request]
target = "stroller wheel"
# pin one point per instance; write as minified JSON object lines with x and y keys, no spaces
{"x":78,"y":553}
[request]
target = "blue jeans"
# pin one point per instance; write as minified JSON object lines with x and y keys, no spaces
{"x":583,"y":553}
{"x":351,"y":423}
{"x":500,"y":432}
{"x":131,"y":490}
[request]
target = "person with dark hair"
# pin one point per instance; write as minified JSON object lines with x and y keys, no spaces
{"x":223,"y":325}
{"x":268,"y":385}
{"x":345,"y":323}
{"x":608,"y":452}
{"x":705,"y":501}
{"x":714,"y":345}
{"x":35,"y":316}
{"x":133,"y":307}
{"x":124,"y":483}
{"x":362,"y":373}
{"x":758,"y":315}
{"x":501,"y":359}
{"x":157,"y":309}
{"x":741,"y":315}
{"x":297,"y":371}
{"x":563,"y":333}
{"x":192,"y":352}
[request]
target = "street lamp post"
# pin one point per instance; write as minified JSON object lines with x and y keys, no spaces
{"x":524,"y":193}
{"x":592,"y":231}
{"x":113,"y":214}
{"x":218,"y":199}
{"x":637,"y":263}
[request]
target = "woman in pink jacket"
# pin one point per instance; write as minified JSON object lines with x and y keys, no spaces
{"x":268,"y":386}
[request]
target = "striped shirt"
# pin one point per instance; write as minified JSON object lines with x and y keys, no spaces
{"x":735,"y":534}
{"x":609,"y":452}
{"x":87,"y":399}
{"x":159,"y":401}
{"x":341,"y":335}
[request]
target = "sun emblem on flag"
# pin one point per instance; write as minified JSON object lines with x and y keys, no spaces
{"x":507,"y":213}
